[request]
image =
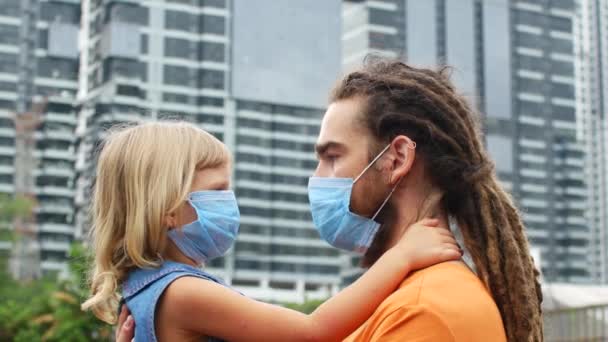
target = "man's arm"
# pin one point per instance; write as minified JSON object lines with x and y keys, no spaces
{"x":125,"y":331}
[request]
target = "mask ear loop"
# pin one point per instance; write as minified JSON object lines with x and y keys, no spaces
{"x":410,"y":146}
{"x":372,"y":163}
{"x":385,"y":201}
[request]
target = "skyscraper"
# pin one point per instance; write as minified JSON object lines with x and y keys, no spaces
{"x":38,"y":75}
{"x":514,"y":61}
{"x":592,"y":111}
{"x":258,"y":83}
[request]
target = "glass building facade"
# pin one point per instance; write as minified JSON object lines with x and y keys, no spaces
{"x":39,"y":72}
{"x":514,"y":60}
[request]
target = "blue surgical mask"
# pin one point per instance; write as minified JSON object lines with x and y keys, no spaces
{"x":330,"y":207}
{"x":215,"y":229}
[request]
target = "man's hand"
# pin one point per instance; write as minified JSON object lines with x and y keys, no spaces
{"x":125,"y":331}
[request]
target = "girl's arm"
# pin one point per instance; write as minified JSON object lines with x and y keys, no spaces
{"x":210,"y":309}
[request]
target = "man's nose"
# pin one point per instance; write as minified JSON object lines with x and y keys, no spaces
{"x":321,"y":171}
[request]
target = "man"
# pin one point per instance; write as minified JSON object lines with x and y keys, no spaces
{"x":410,"y":147}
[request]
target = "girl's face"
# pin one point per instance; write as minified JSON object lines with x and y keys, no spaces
{"x":217,"y":178}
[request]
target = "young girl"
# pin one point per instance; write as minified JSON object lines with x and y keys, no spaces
{"x":162,"y":208}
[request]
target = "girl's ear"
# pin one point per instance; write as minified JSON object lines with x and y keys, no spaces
{"x":171,"y":220}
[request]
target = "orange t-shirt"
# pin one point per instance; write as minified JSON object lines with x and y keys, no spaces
{"x":444,"y":302}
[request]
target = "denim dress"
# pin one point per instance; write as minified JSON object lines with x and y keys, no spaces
{"x":144,"y":287}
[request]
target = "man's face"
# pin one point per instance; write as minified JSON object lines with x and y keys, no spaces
{"x":343,"y":150}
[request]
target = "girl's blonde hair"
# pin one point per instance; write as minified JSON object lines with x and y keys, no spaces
{"x":144,"y":172}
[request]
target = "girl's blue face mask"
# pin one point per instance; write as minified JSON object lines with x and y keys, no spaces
{"x":215,"y":229}
{"x":330,"y":207}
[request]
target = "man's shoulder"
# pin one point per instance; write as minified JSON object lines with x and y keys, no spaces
{"x":447,"y":299}
{"x":442,"y":287}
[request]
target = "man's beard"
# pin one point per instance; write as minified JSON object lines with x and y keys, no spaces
{"x":386,"y":218}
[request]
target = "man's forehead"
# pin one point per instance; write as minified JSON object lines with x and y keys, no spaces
{"x":341,"y":122}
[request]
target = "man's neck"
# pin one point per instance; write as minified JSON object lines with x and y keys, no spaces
{"x":420,"y":204}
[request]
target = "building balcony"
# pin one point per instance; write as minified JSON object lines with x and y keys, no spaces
{"x":7,"y":132}
{"x":53,"y":265}
{"x":55,"y":191}
{"x":7,"y":169}
{"x":55,"y":171}
{"x":57,"y":228}
{"x":7,"y":188}
{"x":56,"y":154}
{"x":7,"y":150}
{"x":52,"y":208}
{"x":59,"y":135}
{"x":5,"y":245}
{"x":65,"y":118}
{"x":53,"y":245}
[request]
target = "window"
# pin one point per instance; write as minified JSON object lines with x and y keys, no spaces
{"x":181,"y":48}
{"x":250,"y":265}
{"x":563,"y":4}
{"x":253,"y":141}
{"x":128,"y":13}
{"x":532,"y":109}
{"x":562,"y":46}
{"x":128,"y":90}
{"x":144,"y":43}
{"x":562,"y":68}
{"x":253,"y":123}
{"x":175,"y":98}
{"x":530,"y":86}
{"x":214,"y":52}
{"x":59,"y":108}
{"x":124,"y":67}
{"x":256,"y":176}
{"x":43,"y":38}
{"x":562,"y":90}
{"x":4,"y":141}
{"x":58,"y":68}
{"x":213,"y":24}
{"x":322,"y":269}
{"x":183,"y":2}
{"x":212,"y":79}
{"x":8,"y":62}
{"x":11,"y":8}
{"x":563,"y":113}
{"x":251,"y":158}
{"x":65,"y":13}
{"x":210,"y":101}
{"x":179,"y":75}
{"x":214,"y":3}
{"x":8,"y":86}
{"x":382,"y":17}
{"x":561,"y":24}
{"x":212,"y":119}
{"x":530,"y":40}
{"x":181,"y":21}
{"x":9,"y":34}
{"x":529,"y":18}
{"x":252,"y":211}
{"x":382,"y":41}
{"x":531,"y":63}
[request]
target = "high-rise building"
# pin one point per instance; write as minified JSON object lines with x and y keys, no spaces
{"x":514,"y":61}
{"x":259,"y":83}
{"x":38,"y":80}
{"x":592,"y":110}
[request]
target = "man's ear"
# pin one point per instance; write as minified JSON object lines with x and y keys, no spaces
{"x":403,"y":153}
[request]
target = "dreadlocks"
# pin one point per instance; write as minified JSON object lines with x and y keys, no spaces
{"x":423,"y":105}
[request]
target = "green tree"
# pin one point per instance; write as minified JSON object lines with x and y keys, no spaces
{"x":49,"y":309}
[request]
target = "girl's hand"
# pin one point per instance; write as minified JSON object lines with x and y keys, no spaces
{"x":425,"y":244}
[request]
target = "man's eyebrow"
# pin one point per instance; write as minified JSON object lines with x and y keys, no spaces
{"x":321,"y":149}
